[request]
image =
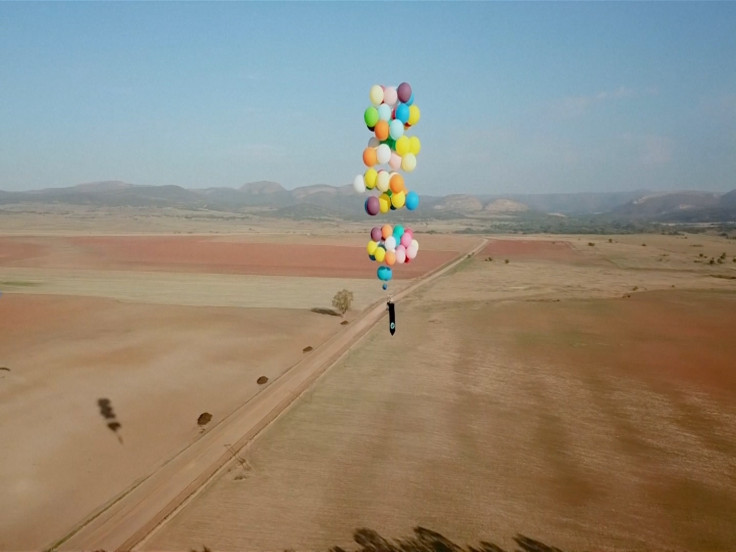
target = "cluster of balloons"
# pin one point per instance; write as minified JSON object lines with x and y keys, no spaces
{"x":389,"y":152}
{"x":391,"y":113}
{"x":391,"y":245}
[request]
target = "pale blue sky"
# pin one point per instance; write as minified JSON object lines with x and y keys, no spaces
{"x":515,"y":97}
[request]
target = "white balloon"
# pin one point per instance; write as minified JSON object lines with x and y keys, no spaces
{"x":383,"y":154}
{"x":382,"y":180}
{"x":391,"y":243}
{"x":359,"y":184}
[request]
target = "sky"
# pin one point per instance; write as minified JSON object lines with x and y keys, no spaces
{"x":515,"y":97}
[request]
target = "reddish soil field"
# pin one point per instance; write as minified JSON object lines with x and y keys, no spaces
{"x":530,"y":249}
{"x":205,"y":254}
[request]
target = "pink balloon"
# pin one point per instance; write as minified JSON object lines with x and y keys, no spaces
{"x":395,"y":161}
{"x":390,"y":96}
{"x":400,"y":254}
{"x":406,"y":239}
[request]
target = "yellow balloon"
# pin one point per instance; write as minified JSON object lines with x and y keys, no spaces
{"x":402,"y":145}
{"x":414,"y":115}
{"x":398,"y":200}
{"x":372,"y":246}
{"x":370,"y":178}
{"x":414,"y":145}
{"x":384,"y":204}
{"x":380,"y":254}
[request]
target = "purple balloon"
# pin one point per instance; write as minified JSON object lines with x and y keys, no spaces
{"x":404,"y":92}
{"x":376,"y":234}
{"x":372,"y":207}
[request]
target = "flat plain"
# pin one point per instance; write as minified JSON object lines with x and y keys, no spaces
{"x":577,"y":390}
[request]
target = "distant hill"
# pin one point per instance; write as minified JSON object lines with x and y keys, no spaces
{"x":324,"y":201}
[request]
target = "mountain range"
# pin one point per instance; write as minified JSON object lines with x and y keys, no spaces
{"x":272,"y":199}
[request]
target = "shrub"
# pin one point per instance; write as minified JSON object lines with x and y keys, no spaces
{"x":342,"y":301}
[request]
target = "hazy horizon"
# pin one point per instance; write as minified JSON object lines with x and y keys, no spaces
{"x":516,"y":98}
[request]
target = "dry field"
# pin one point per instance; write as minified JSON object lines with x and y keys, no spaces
{"x":582,"y":394}
{"x":148,"y":330}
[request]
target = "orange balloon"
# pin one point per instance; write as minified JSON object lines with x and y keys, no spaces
{"x":381,"y":130}
{"x":390,"y":258}
{"x":386,"y":231}
{"x":369,"y":157}
{"x":396,"y":183}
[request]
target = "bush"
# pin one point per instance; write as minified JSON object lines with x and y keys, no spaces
{"x":342,"y":301}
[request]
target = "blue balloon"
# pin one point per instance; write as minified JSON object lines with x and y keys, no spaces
{"x":412,"y":200}
{"x":398,"y":232}
{"x":385,"y":286}
{"x":402,"y":112}
{"x":384,"y":273}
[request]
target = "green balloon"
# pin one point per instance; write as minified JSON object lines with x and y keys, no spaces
{"x":370,"y":116}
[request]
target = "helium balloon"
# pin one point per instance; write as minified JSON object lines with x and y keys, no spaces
{"x":398,"y":200}
{"x":390,"y":243}
{"x":359,"y":184}
{"x":373,"y":142}
{"x":381,"y":130}
{"x":384,"y":112}
{"x":372,"y":206}
{"x":371,"y":247}
{"x":390,"y":258}
{"x":412,"y":200}
{"x":401,"y":254}
{"x":414,"y":115}
{"x":414,"y":145}
{"x":403,"y":92}
{"x":370,"y":178}
{"x":376,"y":235}
{"x":396,"y":183}
{"x":398,"y":231}
{"x":385,"y":287}
{"x":386,"y":231}
{"x":396,"y":129}
{"x":383,"y":180}
{"x":369,"y":157}
{"x":395,"y":162}
{"x":390,"y":96}
{"x":410,"y":100}
{"x":370,"y":116}
{"x":406,"y":239}
{"x":380,"y":253}
{"x":384,"y":203}
{"x":402,"y":114}
{"x":384,"y":273}
{"x":402,"y":145}
{"x":383,"y":154}
{"x":409,"y":162}
{"x":376,"y":94}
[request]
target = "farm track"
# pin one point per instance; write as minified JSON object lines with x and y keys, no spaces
{"x":129,"y":518}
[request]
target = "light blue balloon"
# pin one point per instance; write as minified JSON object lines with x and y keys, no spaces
{"x":384,"y":112}
{"x":398,"y":232}
{"x":396,"y":129}
{"x":384,"y":273}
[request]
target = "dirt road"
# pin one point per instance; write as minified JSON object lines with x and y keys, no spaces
{"x":128,"y":518}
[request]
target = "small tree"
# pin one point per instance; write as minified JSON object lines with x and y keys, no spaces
{"x":342,"y":301}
